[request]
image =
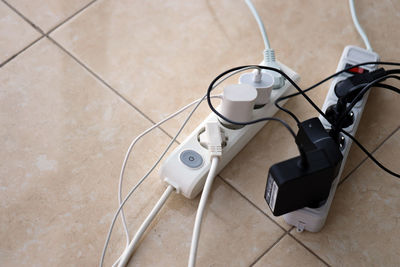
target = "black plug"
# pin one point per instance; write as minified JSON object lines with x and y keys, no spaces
{"x":349,"y":88}
{"x":304,"y":181}
{"x":346,"y":91}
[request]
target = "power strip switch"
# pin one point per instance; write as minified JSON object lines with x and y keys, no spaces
{"x":313,"y":219}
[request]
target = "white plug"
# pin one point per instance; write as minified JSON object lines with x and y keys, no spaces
{"x":269,"y":61}
{"x":238,"y":102}
{"x":213,"y":138}
{"x":263,"y":82}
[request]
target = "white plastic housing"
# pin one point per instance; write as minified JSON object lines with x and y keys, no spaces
{"x":190,"y":181}
{"x":263,"y":85}
{"x":314,"y":219}
{"x":238,"y":102}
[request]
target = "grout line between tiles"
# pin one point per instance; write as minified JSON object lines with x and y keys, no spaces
{"x":268,"y":249}
{"x":19,"y":52}
{"x":309,"y":250}
{"x":59,"y":45}
{"x":37,"y":28}
{"x":366,"y":158}
{"x":254,"y":205}
{"x":90,"y":71}
{"x":23,"y":17}
{"x":70,"y":17}
{"x":105,"y":83}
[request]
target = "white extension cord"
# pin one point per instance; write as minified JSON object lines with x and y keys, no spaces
{"x":269,"y":60}
{"x":269,"y":53}
{"x":358,"y":26}
{"x":200,"y":211}
{"x":173,"y":115}
{"x":215,"y":147}
{"x":133,"y":244}
{"x":134,"y":188}
{"x":215,"y":139}
{"x":198,"y":101}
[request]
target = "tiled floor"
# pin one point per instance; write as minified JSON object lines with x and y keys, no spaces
{"x":79,"y":79}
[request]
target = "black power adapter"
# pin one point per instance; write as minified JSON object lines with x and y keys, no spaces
{"x":304,"y":181}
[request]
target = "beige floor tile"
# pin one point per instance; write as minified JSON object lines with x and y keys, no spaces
{"x":288,"y":252}
{"x":170,"y":49}
{"x":64,"y":136}
{"x":47,"y":14}
{"x":15,"y":33}
{"x":248,"y":171}
{"x":362,"y":227}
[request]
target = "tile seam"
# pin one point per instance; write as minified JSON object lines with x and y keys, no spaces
{"x":37,"y":28}
{"x":308,"y":249}
{"x":253,"y":204}
{"x":97,"y":77}
{"x":21,"y":51}
{"x":268,"y":249}
{"x":366,"y":158}
{"x":70,"y":17}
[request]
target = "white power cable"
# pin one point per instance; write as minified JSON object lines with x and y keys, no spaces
{"x":130,"y":150}
{"x":269,"y":53}
{"x":200,"y":211}
{"x":132,"y":246}
{"x":215,"y":138}
{"x":260,"y":23}
{"x":155,"y":165}
{"x":358,"y":26}
{"x":127,"y":157}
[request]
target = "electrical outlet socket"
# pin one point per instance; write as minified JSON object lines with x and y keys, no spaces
{"x":187,"y":166}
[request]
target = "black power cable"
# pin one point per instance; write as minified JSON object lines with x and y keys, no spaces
{"x":389,"y":87}
{"x":369,"y":155}
{"x":210,"y":88}
{"x":338,"y":73}
{"x":330,"y":77}
{"x":302,"y":92}
{"x":338,"y":125}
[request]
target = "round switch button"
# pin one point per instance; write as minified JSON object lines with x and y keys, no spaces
{"x":191,"y":158}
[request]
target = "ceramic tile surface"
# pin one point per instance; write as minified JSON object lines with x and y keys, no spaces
{"x":248,"y":171}
{"x":363,"y":224}
{"x":174,"y":50}
{"x":47,"y":14}
{"x":15,"y":33}
{"x":64,"y":136}
{"x":66,"y":127}
{"x":288,"y":252}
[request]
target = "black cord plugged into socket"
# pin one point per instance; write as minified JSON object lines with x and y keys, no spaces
{"x":305,"y":180}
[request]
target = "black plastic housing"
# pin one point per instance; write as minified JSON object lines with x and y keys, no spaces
{"x":349,"y":88}
{"x":291,"y":185}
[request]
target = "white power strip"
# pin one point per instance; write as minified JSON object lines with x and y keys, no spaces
{"x":187,"y":166}
{"x":314,"y":219}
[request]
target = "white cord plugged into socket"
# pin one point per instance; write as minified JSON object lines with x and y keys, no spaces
{"x":263,"y":82}
{"x":238,"y":103}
